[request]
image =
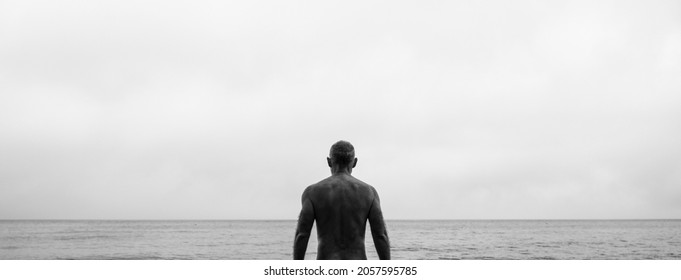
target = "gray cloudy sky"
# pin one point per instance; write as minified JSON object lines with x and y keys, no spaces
{"x":461,"y":110}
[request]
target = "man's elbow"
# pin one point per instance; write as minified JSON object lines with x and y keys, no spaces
{"x":302,"y":236}
{"x":381,"y":237}
{"x":382,"y":243}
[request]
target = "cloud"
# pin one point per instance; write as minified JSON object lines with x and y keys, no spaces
{"x":457,"y":110}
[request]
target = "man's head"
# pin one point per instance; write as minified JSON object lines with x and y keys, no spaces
{"x":342,"y":155}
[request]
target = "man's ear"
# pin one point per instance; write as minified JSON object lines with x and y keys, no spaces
{"x":354,"y":163}
{"x":328,"y":161}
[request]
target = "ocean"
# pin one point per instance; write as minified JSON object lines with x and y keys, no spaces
{"x":273,"y":240}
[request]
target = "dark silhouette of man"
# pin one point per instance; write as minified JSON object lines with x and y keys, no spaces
{"x":341,"y":205}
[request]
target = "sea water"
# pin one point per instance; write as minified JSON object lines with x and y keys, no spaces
{"x":414,"y":239}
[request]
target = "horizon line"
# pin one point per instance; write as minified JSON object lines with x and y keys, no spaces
{"x":426,"y":219}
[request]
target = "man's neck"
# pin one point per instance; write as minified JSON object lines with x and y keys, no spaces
{"x":341,"y":170}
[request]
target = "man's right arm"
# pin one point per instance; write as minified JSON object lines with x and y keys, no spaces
{"x":378,"y":230}
{"x":305,"y":221}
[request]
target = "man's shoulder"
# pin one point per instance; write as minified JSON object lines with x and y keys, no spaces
{"x":318,"y":185}
{"x":331,"y":181}
{"x":362,"y":183}
{"x":315,"y":187}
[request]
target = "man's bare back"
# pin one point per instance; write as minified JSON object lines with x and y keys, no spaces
{"x":341,"y":206}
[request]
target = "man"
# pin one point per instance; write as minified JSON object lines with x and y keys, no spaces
{"x":341,"y":206}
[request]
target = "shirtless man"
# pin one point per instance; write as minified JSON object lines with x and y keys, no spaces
{"x":341,"y":205}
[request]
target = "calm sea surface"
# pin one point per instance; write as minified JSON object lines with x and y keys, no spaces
{"x":450,"y":239}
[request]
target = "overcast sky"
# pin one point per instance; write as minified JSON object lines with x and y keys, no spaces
{"x":457,"y":110}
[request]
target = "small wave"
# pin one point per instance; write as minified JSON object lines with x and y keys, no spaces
{"x":543,"y":258}
{"x":86,"y":237}
{"x":20,"y":237}
{"x":483,"y":258}
{"x":142,"y":258}
{"x":420,"y":249}
{"x":673,"y":256}
{"x":408,"y":249}
{"x":121,"y":257}
{"x":207,"y":245}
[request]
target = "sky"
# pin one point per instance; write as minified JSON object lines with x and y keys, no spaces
{"x":227,"y":109}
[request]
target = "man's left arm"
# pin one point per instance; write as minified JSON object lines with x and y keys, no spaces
{"x":305,"y":221}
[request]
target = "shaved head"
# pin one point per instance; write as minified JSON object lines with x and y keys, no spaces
{"x":342,"y":153}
